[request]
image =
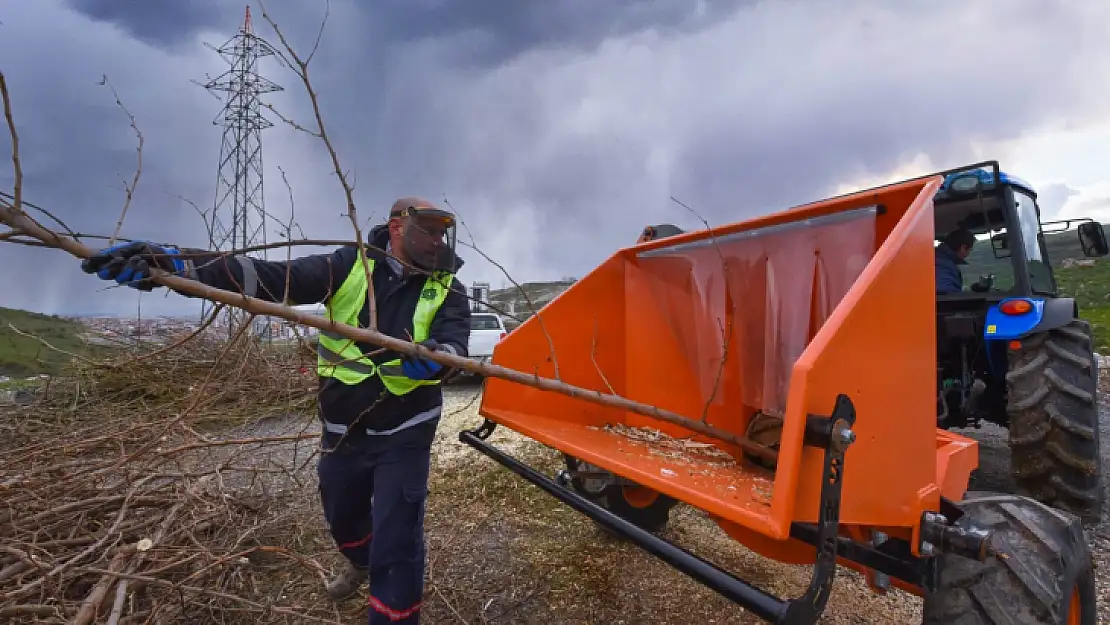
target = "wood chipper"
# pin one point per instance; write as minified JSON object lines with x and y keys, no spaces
{"x":780,"y":374}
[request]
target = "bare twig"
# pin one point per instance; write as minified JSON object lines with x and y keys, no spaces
{"x":527,"y":298}
{"x":129,"y":189}
{"x":17,"y":168}
{"x":45,"y":342}
{"x":348,"y":189}
{"x":10,"y":201}
{"x":593,"y":359}
{"x":724,"y":325}
{"x":289,"y":235}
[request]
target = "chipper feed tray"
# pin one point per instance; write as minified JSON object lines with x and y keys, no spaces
{"x":824,"y":318}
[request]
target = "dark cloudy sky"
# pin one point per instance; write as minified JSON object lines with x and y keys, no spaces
{"x":557,"y":128}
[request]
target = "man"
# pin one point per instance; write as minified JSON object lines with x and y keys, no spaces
{"x":952,"y":252}
{"x":379,"y":413}
{"x":661,"y":231}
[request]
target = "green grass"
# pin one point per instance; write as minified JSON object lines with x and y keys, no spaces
{"x":1090,"y":286}
{"x":24,"y":355}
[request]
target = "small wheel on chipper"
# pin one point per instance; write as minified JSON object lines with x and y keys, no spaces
{"x":643,"y":507}
{"x":648,"y":509}
{"x":591,"y":488}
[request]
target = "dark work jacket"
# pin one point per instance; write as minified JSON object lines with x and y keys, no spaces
{"x":312,"y":279}
{"x":947,"y":265}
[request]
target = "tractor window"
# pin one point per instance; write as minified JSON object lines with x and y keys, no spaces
{"x":1040,"y":273}
{"x":987,"y":270}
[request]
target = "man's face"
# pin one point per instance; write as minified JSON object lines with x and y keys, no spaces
{"x":426,"y":233}
{"x":964,"y":252}
{"x":427,"y":240}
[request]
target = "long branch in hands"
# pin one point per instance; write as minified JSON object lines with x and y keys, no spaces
{"x":368,"y":335}
{"x":16,"y":219}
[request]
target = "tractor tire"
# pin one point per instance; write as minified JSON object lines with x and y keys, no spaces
{"x":1043,"y":573}
{"x":640,"y":506}
{"x":1052,"y":406}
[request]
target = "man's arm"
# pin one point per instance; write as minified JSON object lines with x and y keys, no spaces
{"x":312,"y":279}
{"x":451,"y":325}
{"x":948,"y":279}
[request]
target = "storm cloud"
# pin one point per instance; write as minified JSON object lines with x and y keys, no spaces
{"x":556,"y":128}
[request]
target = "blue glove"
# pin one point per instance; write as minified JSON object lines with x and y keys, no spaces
{"x":421,"y":368}
{"x":130,"y":263}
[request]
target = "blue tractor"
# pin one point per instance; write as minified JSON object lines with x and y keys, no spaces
{"x":1010,"y":349}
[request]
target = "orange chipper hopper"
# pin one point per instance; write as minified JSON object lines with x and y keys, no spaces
{"x":823,"y":316}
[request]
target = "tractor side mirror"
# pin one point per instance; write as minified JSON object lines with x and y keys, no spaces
{"x":1092,"y":238}
{"x":1001,"y":241}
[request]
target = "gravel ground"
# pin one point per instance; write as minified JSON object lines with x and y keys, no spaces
{"x":503,"y":551}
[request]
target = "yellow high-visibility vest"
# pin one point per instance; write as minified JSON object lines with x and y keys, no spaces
{"x":339,"y":357}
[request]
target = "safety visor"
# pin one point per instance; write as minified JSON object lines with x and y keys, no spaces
{"x":429,"y":236}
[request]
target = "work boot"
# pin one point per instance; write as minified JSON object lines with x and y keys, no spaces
{"x":347,"y":582}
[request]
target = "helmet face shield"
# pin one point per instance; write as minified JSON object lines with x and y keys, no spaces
{"x":428,"y":236}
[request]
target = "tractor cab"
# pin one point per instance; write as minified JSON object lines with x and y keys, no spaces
{"x":1009,"y":309}
{"x":1010,"y":258}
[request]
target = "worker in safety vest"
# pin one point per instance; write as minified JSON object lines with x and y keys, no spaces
{"x":379,"y":413}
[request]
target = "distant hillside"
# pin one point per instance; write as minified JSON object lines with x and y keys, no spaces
{"x":1062,"y":246}
{"x":511,"y":302}
{"x":24,"y":355}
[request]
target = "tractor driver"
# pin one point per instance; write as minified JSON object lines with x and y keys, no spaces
{"x":660,"y":231}
{"x":949,"y":255}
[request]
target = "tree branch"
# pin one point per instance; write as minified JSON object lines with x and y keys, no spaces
{"x":726,"y":325}
{"x":18,"y":220}
{"x":17,"y":167}
{"x":348,"y":190}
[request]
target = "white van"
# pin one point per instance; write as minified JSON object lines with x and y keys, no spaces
{"x":486,"y":331}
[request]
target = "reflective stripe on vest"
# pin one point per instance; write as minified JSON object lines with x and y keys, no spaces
{"x":339,"y":357}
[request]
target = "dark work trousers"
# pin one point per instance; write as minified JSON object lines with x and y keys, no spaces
{"x":373,"y":490}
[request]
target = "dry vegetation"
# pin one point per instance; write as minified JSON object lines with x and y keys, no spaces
{"x":131,"y":497}
{"x":119,"y":495}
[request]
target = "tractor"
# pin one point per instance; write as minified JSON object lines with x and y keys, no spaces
{"x":797,"y":377}
{"x":1010,"y":349}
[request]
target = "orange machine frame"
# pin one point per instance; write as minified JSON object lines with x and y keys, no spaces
{"x":876,"y":345}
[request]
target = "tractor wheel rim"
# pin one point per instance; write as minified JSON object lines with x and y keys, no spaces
{"x":638,"y":496}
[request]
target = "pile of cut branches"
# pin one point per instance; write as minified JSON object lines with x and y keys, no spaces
{"x":242,"y":381}
{"x":116,"y":508}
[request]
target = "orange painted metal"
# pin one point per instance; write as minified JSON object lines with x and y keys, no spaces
{"x":827,"y":298}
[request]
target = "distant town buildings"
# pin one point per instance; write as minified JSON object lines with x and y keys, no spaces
{"x":479,"y":297}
